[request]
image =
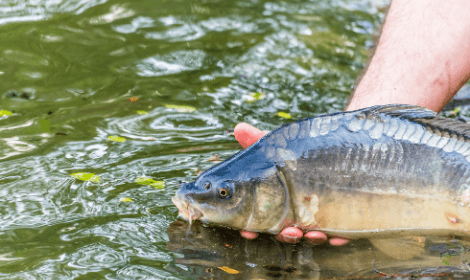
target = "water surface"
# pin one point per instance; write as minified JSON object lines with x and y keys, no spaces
{"x":168,"y":77}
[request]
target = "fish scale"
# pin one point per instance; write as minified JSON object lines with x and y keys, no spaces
{"x":394,"y":169}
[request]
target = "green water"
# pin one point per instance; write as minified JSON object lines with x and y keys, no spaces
{"x":73,"y":73}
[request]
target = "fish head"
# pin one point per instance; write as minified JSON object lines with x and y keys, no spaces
{"x":242,"y":193}
{"x":214,"y":200}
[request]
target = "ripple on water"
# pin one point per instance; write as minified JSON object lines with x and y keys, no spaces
{"x":184,"y":33}
{"x":110,"y":249}
{"x":143,"y":272}
{"x":165,"y":126}
{"x":60,"y":74}
{"x":18,"y":11}
{"x":171,"y":63}
{"x":13,"y":146}
{"x":95,"y":257}
{"x":52,"y":196}
{"x":116,"y":12}
{"x":137,"y":23}
{"x":280,"y":57}
{"x":133,"y":237}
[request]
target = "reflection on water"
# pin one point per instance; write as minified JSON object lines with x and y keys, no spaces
{"x":20,"y":10}
{"x":169,"y":78}
{"x":207,"y":252}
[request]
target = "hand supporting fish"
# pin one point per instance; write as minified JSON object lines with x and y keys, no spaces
{"x":247,"y":135}
{"x":378,"y":172}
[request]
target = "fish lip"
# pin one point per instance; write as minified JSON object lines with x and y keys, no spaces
{"x":187,"y":211}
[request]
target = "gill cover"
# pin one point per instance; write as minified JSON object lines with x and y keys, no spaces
{"x":243,"y":192}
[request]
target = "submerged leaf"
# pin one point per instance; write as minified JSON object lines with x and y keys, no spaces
{"x":144,"y":180}
{"x":116,"y":138}
{"x":87,"y":177}
{"x":180,"y":109}
{"x":158,"y":185}
{"x":151,"y":182}
{"x":140,"y":112}
{"x":229,"y":270}
{"x":252,"y":97}
{"x":5,"y":113}
{"x":284,"y":115}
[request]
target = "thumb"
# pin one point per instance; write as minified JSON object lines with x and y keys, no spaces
{"x":247,"y":134}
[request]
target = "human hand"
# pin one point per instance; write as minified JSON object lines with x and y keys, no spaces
{"x":246,"y":135}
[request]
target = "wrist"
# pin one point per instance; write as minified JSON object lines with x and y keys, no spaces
{"x":423,"y":57}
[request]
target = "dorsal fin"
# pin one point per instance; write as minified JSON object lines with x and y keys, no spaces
{"x":402,"y":110}
{"x":422,"y":116}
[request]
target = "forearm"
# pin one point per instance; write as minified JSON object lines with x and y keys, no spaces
{"x":423,"y":56}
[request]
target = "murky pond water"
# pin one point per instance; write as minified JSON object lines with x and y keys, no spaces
{"x":168,"y":77}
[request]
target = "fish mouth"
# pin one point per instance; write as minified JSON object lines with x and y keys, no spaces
{"x":186,"y":210}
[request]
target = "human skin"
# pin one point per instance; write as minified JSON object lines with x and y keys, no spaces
{"x":422,"y":58}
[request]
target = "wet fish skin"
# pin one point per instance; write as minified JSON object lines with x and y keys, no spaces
{"x":379,"y":170}
{"x":253,"y":202}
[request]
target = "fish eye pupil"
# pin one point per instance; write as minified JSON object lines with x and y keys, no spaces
{"x":206,"y":185}
{"x":223,"y":193}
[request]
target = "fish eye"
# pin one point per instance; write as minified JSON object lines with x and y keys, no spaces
{"x":223,"y":192}
{"x":206,"y":185}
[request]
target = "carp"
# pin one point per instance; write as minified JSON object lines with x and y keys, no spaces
{"x":381,"y":171}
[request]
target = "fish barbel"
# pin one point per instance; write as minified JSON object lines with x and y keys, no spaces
{"x":394,"y":169}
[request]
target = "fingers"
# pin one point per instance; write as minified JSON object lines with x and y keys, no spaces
{"x":247,"y":134}
{"x":294,"y":235}
{"x":338,"y":241}
{"x":316,"y":237}
{"x":248,"y":234}
{"x":290,"y":235}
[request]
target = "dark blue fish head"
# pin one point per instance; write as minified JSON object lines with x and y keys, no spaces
{"x":243,"y":192}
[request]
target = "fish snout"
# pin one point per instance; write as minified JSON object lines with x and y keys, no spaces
{"x":186,"y":210}
{"x":179,"y":203}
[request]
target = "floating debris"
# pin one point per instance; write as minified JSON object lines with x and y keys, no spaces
{"x":151,"y":182}
{"x":125,"y":199}
{"x":214,"y":157}
{"x":228,"y":270}
{"x":5,"y":113}
{"x":180,"y":109}
{"x":116,"y":138}
{"x":23,"y":95}
{"x":91,"y":177}
{"x":284,"y":115}
{"x":254,"y":96}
